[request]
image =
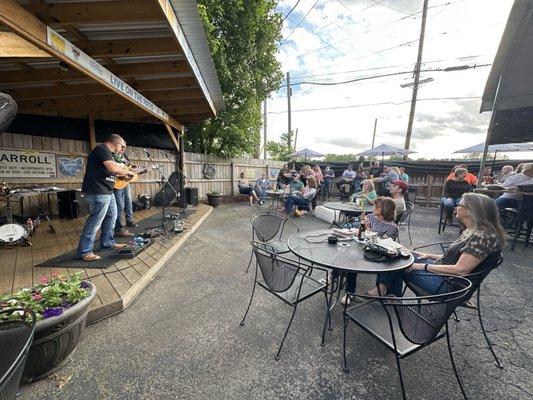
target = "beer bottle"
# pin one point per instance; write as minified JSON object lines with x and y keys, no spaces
{"x":361,"y":227}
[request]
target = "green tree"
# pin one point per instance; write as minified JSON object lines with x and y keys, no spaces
{"x":341,"y":157}
{"x":280,"y":150}
{"x":243,"y":37}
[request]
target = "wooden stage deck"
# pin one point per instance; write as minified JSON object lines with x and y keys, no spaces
{"x":117,"y":285}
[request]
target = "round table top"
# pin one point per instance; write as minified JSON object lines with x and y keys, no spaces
{"x":279,"y":192}
{"x":349,"y":207}
{"x":346,"y":256}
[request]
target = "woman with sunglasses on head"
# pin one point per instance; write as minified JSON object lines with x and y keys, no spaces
{"x":380,"y":221}
{"x":478,"y":246}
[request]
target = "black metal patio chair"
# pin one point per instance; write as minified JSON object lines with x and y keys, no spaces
{"x":405,"y":325}
{"x":521,"y":220}
{"x":290,"y":281}
{"x":16,"y":337}
{"x":404,"y":219}
{"x":269,"y":227}
{"x":490,"y":263}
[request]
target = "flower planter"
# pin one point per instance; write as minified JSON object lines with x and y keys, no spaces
{"x":214,"y":199}
{"x":56,"y":337}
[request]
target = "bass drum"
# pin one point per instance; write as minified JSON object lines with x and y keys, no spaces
{"x":12,"y":234}
{"x":8,"y":111}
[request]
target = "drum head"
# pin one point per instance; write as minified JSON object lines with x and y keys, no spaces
{"x":8,"y":111}
{"x":11,"y":233}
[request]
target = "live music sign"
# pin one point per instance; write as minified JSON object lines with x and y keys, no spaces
{"x":27,"y":164}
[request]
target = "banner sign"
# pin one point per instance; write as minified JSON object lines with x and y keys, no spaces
{"x":27,"y":164}
{"x":62,"y":45}
{"x":70,"y":167}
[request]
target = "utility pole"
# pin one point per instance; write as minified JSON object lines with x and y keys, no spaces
{"x":417,"y":77}
{"x":374,"y":136}
{"x":289,"y":129}
{"x":295,"y":138}
{"x":265,"y":129}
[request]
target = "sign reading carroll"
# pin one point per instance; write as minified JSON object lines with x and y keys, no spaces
{"x":26,"y":164}
{"x":62,"y":45}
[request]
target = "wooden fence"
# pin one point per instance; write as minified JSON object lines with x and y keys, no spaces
{"x":429,"y":184}
{"x":227,"y":172}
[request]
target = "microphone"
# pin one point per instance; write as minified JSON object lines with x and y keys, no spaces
{"x":147,"y":153}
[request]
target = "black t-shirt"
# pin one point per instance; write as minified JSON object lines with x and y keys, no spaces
{"x":98,"y":179}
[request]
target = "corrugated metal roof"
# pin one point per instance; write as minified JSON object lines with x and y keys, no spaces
{"x":192,"y":26}
{"x":513,"y":62}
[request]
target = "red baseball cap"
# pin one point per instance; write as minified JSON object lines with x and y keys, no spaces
{"x":401,"y":184}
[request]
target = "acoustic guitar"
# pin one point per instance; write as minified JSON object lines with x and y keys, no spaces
{"x":123,"y":181}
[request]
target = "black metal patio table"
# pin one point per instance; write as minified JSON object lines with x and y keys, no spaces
{"x":347,"y":209}
{"x":277,"y":197}
{"x":343,"y":257}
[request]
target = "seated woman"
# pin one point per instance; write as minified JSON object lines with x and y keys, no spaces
{"x":262,"y":185}
{"x":360,"y":176}
{"x":483,"y":237}
{"x":245,"y":187}
{"x":368,"y":194}
{"x":382,"y":222}
{"x":301,"y":199}
{"x":454,"y":188}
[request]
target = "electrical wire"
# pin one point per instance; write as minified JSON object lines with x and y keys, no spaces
{"x":291,"y":10}
{"x":378,"y":104}
{"x":299,"y":23}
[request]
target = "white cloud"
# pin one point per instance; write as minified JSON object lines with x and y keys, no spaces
{"x":354,"y":35}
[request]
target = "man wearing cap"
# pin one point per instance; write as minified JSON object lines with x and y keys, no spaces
{"x":397,"y":192}
{"x":386,"y":181}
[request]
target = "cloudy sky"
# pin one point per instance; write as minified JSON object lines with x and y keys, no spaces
{"x":340,"y":40}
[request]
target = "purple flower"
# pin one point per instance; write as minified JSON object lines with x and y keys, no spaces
{"x":84,"y":285}
{"x":52,"y":312}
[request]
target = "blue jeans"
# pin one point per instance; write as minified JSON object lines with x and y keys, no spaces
{"x":123,"y":200}
{"x":261,"y":193}
{"x":102,"y":215}
{"x":325,"y":187}
{"x":504,"y":202}
{"x":394,"y":280}
{"x":295,"y":201}
{"x":450,"y":202}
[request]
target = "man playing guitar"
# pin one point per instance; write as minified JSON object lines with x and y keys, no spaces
{"x":123,"y":197}
{"x":98,"y":182}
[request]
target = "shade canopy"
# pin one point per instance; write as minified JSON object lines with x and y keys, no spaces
{"x":385,"y":150}
{"x":503,"y":148}
{"x":307,"y":153}
{"x":509,"y":88}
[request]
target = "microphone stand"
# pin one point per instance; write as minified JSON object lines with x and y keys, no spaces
{"x":164,"y":181}
{"x":184,"y":178}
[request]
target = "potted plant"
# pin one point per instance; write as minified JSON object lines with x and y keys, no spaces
{"x":60,"y":304}
{"x":214,"y":198}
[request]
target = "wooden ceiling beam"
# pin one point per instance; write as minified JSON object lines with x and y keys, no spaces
{"x":44,"y":75}
{"x":129,"y":48}
{"x":104,"y":102}
{"x":13,"y":46}
{"x":95,"y":12}
{"x":185,"y":85}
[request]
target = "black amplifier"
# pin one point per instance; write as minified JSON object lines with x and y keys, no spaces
{"x":71,"y":204}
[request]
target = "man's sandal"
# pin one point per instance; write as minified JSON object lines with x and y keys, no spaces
{"x":90,"y":257}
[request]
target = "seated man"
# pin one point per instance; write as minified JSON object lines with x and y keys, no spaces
{"x":512,"y":200}
{"x":397,"y":192}
{"x":505,"y":173}
{"x":386,"y":181}
{"x":347,"y":178}
{"x":469,"y":177}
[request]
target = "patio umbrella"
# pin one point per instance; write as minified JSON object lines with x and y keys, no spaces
{"x":505,"y":148}
{"x":385,"y":150}
{"x":306,"y":153}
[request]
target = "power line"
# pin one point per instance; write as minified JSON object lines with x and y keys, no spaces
{"x":291,"y":10}
{"x":391,"y":66}
{"x":364,"y":78}
{"x":379,"y":104}
{"x":299,"y":23}
{"x":370,"y":30}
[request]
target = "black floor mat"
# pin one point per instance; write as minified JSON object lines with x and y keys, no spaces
{"x":108,"y":256}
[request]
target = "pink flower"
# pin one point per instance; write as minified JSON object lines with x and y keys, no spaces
{"x":37,"y":297}
{"x":43,"y":279}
